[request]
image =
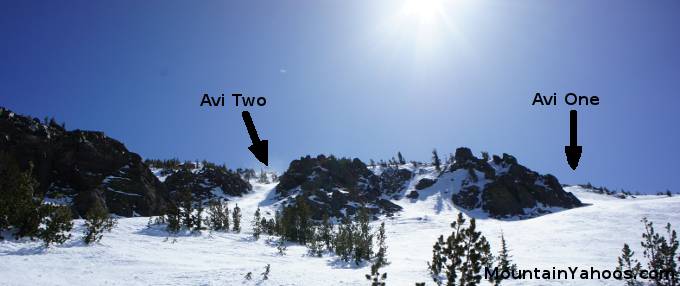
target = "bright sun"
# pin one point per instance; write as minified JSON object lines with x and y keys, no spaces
{"x":420,"y":31}
{"x":425,"y":11}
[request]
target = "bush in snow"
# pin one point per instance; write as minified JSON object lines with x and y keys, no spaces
{"x":315,"y":244}
{"x":97,"y":221}
{"x":281,"y":246}
{"x":265,"y":274}
{"x":55,"y":225}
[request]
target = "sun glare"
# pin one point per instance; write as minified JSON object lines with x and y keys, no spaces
{"x":425,"y":11}
{"x":421,"y":32}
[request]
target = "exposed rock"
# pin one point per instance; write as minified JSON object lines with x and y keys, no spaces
{"x":425,"y":183}
{"x":413,"y":195}
{"x":505,"y":188}
{"x":84,"y":167}
{"x":338,"y":187}
{"x":206,"y":181}
{"x":464,"y":154}
{"x":393,"y":180}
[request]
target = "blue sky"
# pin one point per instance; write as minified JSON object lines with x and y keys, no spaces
{"x":359,"y":78}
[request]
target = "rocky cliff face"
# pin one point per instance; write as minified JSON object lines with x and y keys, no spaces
{"x":82,"y":167}
{"x":336,"y":187}
{"x":502,"y":187}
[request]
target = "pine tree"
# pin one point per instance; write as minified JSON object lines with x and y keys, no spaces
{"x":401,"y":158}
{"x":266,"y":226}
{"x":326,"y":232}
{"x":173,"y":219}
{"x":626,"y":262}
{"x":262,"y":179}
{"x":315,"y":245}
{"x":376,"y":278}
{"x":504,"y":261}
{"x":363,"y":239}
{"x":462,"y":256}
{"x":225,"y":217}
{"x":55,"y":224}
{"x":236,"y":219}
{"x":187,"y":208}
{"x":381,"y":255}
{"x":288,"y":223}
{"x":281,"y":246}
{"x":198,"y":217}
{"x":295,"y":221}
{"x":344,"y":240}
{"x":214,"y":219}
{"x":454,"y":250}
{"x":436,"y":161}
{"x":667,"y":252}
{"x":97,"y":221}
{"x":278,"y":227}
{"x":438,"y":259}
{"x":650,"y":244}
{"x":477,"y":255}
{"x":257,"y":224}
{"x":303,"y":219}
{"x":18,"y":207}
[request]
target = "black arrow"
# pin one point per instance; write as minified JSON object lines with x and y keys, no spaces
{"x":573,"y":151}
{"x":260,"y":148}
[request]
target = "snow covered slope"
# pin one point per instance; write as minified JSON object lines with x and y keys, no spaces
{"x":134,"y":255}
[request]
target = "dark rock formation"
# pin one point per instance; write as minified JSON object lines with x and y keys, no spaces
{"x":338,"y":187}
{"x":505,"y":188}
{"x":84,"y":167}
{"x":413,"y":195}
{"x":206,"y":181}
{"x":425,"y":183}
{"x":393,"y":180}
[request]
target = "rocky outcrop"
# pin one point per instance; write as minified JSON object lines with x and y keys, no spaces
{"x":425,"y":183}
{"x":81,"y":167}
{"x":206,"y":181}
{"x":338,"y":187}
{"x":502,"y":187}
{"x":393,"y":180}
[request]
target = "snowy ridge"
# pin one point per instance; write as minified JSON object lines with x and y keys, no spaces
{"x":135,"y":255}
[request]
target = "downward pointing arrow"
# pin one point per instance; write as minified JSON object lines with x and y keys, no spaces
{"x":573,"y":151}
{"x":260,"y":148}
